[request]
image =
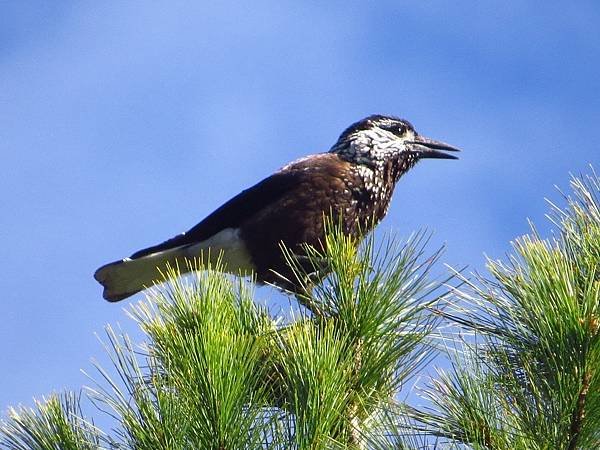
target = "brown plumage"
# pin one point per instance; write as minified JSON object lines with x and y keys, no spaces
{"x":354,"y":181}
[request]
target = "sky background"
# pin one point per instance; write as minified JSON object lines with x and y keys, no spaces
{"x":122,"y":124}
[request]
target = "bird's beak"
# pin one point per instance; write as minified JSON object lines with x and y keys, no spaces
{"x":424,"y":147}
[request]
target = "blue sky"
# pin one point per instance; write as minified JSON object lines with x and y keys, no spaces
{"x":122,"y":124}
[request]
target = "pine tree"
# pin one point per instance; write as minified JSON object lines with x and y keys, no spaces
{"x":218,"y":371}
{"x":526,"y":372}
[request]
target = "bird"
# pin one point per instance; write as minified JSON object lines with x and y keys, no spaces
{"x":352,"y":183}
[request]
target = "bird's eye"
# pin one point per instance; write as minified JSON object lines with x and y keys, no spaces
{"x":399,"y":129}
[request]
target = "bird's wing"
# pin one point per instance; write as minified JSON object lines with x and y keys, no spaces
{"x":234,"y":212}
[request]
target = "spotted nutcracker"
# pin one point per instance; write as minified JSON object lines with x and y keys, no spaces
{"x":354,"y":182}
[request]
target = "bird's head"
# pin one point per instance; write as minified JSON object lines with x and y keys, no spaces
{"x":379,"y":140}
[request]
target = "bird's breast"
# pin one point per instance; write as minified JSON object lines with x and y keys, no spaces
{"x":372,"y":189}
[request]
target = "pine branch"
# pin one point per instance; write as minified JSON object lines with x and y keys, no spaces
{"x":579,"y":412}
{"x":527,"y":373}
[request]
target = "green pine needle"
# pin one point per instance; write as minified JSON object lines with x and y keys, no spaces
{"x":55,"y":423}
{"x":528,"y":377}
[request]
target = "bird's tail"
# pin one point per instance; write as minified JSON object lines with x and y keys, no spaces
{"x":124,"y":278}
